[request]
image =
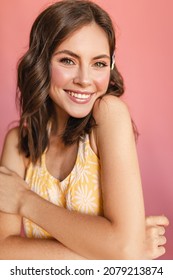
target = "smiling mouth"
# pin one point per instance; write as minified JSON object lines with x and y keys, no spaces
{"x":79,"y":97}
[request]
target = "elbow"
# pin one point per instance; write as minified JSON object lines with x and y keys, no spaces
{"x":128,"y":244}
{"x":125,"y":252}
{"x":124,"y":248}
{"x":130,"y":252}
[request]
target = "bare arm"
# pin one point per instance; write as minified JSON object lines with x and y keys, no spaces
{"x":113,"y":236}
{"x":18,"y":248}
{"x":12,"y":245}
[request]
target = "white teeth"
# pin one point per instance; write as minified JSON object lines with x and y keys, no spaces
{"x":79,"y":95}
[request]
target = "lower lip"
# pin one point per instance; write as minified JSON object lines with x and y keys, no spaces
{"x":79,"y":100}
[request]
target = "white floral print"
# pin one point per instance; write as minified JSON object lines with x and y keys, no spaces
{"x":79,"y":191}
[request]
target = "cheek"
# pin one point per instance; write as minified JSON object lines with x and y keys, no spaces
{"x":103,"y":81}
{"x":60,"y":77}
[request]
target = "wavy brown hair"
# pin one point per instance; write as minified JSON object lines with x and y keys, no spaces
{"x":49,"y":30}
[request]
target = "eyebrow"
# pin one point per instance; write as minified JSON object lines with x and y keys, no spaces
{"x":78,"y":57}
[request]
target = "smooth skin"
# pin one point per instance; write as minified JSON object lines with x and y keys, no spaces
{"x":82,"y":68}
{"x":13,"y":246}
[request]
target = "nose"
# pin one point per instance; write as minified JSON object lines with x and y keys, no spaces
{"x":82,"y":77}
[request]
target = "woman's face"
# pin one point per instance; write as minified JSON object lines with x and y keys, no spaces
{"x":80,"y":71}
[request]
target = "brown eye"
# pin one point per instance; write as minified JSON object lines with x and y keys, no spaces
{"x":67,"y":61}
{"x":100,"y":64}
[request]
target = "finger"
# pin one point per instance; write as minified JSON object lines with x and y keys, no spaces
{"x":160,"y":251}
{"x":156,"y":231}
{"x":162,"y":221}
{"x":157,"y":220}
{"x":162,"y":240}
{"x":161,"y":230}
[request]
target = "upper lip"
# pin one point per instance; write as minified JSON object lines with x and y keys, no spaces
{"x":79,"y":92}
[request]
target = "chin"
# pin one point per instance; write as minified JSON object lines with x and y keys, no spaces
{"x":80,"y":115}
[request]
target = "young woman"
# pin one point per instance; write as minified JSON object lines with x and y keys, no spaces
{"x":70,"y":172}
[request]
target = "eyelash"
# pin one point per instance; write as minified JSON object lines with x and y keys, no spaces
{"x":100,"y":64}
{"x":69,"y":61}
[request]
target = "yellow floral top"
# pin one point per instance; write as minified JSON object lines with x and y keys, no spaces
{"x":79,"y":191}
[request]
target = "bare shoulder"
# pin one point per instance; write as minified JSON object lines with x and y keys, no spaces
{"x":11,"y":158}
{"x":12,"y":135}
{"x":11,"y":139}
{"x":110,"y":110}
{"x":114,"y":124}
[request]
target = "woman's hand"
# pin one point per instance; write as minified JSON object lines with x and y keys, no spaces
{"x":12,"y":190}
{"x":155,"y":238}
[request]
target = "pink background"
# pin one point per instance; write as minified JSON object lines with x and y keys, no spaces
{"x":145,"y":58}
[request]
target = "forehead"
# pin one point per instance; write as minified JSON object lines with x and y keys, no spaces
{"x":90,"y":38}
